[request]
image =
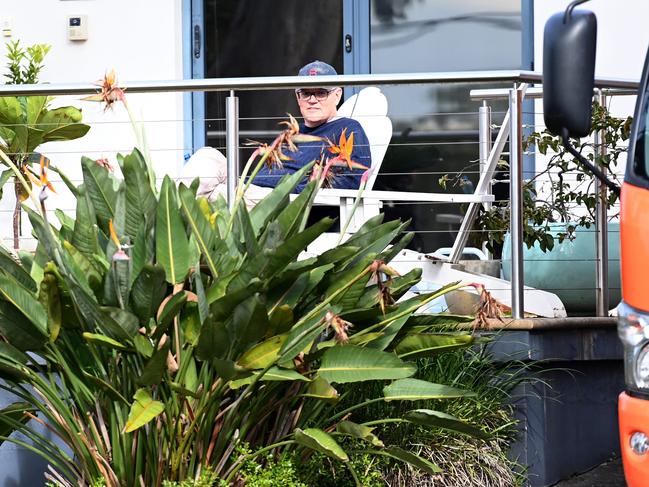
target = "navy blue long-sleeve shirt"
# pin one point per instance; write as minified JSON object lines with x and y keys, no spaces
{"x":307,"y":152}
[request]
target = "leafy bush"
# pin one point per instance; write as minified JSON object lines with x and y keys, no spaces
{"x":566,"y":184}
{"x":155,"y":332}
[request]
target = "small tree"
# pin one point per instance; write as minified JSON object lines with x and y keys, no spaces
{"x":28,"y":122}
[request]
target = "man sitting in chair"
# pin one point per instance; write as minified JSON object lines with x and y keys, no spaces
{"x":318,"y":107}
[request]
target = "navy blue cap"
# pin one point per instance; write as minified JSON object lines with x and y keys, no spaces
{"x":317,"y":68}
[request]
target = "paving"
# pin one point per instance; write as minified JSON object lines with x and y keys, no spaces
{"x":608,"y":474}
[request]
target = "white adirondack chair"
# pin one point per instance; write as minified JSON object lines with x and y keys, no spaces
{"x":370,"y":108}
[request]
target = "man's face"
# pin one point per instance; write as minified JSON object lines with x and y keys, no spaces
{"x":318,"y":105}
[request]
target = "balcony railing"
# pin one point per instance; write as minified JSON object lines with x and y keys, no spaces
{"x":490,"y":150}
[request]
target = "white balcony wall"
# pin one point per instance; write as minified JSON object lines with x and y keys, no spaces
{"x":142,"y":41}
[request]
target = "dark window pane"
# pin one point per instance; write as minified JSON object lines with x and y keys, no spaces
{"x":265,"y":38}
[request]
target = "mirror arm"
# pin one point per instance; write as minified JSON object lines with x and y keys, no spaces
{"x":597,"y":172}
{"x":570,"y":8}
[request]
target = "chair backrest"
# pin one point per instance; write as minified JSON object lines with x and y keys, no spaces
{"x":369,"y":107}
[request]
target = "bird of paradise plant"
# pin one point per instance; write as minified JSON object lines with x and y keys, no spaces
{"x":155,"y":332}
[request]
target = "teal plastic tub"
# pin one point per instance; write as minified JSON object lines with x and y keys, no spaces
{"x":569,"y":269}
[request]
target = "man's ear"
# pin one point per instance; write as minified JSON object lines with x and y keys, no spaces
{"x":339,"y":94}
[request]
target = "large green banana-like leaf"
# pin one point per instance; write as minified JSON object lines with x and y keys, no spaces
{"x":426,"y":345}
{"x":321,"y":389}
{"x":350,"y":363}
{"x":393,"y":250}
{"x":425,"y":322}
{"x":71,"y":259}
{"x":376,"y":238}
{"x":50,"y":297}
{"x":170,"y":309}
{"x":62,"y":124}
{"x":301,"y":335}
{"x":172,"y":245}
{"x":140,"y":200}
{"x":102,"y":190}
{"x":120,"y":323}
{"x":148,"y":291}
{"x":398,"y":286}
{"x":287,"y":252}
{"x":430,"y":418}
{"x":263,"y":354}
{"x":13,"y":416}
{"x":292,"y":216}
{"x":359,"y":431}
{"x":143,"y":409}
{"x":322,"y":442}
{"x":12,"y":362}
{"x":84,"y":237}
{"x":213,"y":341}
{"x":409,"y":457}
{"x":340,"y":280}
{"x":155,"y":367}
{"x":203,"y":230}
{"x":11,"y":265}
{"x":19,"y":330}
{"x":10,"y":111}
{"x":86,"y":269}
{"x":5,"y":175}
{"x":274,"y":374}
{"x":245,"y":234}
{"x":34,"y":106}
{"x":143,"y":251}
{"x":104,"y":340}
{"x":25,"y":302}
{"x":388,"y":333}
{"x":418,"y":390}
{"x":248,"y":325}
{"x":268,"y":208}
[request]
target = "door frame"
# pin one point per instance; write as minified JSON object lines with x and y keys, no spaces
{"x":356,"y":24}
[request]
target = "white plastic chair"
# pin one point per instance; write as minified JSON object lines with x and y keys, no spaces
{"x":370,"y":108}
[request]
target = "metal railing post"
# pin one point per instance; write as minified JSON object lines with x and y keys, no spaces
{"x":516,"y":199}
{"x":485,"y":143}
{"x":232,"y":144}
{"x":601,"y":224}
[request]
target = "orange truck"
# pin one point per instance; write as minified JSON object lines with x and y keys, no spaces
{"x":568,"y":82}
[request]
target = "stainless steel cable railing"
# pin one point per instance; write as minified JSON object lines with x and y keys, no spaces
{"x":489,"y":150}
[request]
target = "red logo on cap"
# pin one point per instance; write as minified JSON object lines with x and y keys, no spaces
{"x":313,"y":72}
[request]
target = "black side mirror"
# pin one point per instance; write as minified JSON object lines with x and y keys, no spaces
{"x":569,"y":71}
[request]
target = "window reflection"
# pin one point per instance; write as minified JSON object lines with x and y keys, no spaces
{"x":436,"y":126}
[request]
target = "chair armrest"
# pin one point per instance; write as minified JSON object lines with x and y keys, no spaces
{"x":330,"y":196}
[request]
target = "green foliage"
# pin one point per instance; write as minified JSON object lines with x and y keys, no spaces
{"x":567,"y":185}
{"x":162,"y":326}
{"x":464,"y":460}
{"x":28,"y":122}
{"x":25,"y":65}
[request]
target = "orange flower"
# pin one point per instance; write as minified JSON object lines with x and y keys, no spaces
{"x":119,"y":254}
{"x":110,"y":92}
{"x":343,"y":151}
